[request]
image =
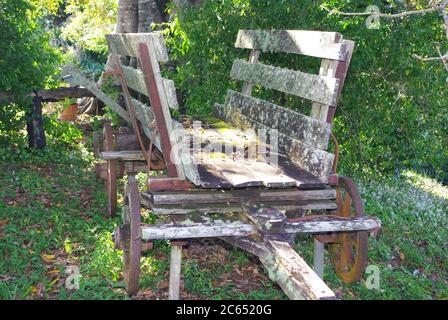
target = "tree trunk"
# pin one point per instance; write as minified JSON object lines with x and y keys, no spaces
{"x":148,"y":13}
{"x":127,"y":17}
{"x":35,"y":126}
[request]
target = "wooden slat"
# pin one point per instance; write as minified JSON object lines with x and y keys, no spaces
{"x":122,"y":155}
{"x":136,"y":81}
{"x":238,"y":196}
{"x":237,"y":208}
{"x":202,"y":227}
{"x":312,"y":43}
{"x":293,"y":274}
{"x":78,"y":78}
{"x":309,"y":86}
{"x":293,"y":124}
{"x":126,"y":44}
{"x":315,"y":161}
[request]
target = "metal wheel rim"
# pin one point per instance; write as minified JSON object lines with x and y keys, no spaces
{"x":349,"y":251}
{"x":132,"y":252}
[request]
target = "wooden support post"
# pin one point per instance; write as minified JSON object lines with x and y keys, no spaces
{"x":175,"y":270}
{"x":319,"y":252}
{"x":35,"y":127}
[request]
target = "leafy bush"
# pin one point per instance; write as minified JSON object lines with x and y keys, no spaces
{"x":393,"y":113}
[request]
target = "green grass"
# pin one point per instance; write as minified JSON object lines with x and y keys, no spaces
{"x":52,"y":216}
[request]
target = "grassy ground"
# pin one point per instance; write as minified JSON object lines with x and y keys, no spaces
{"x":52,"y":216}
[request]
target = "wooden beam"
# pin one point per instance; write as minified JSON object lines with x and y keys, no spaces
{"x":293,"y":274}
{"x":79,"y":79}
{"x":305,"y":85}
{"x":238,"y":196}
{"x":126,"y":44}
{"x":312,"y":43}
{"x":52,"y":95}
{"x":201,"y":227}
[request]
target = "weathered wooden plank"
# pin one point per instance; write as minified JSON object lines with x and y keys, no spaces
{"x":136,"y":82}
{"x":272,"y":177}
{"x":122,"y":155}
{"x":332,"y":225}
{"x":309,"y":86}
{"x":238,"y":196}
{"x":233,"y":171}
{"x":78,"y":78}
{"x":293,"y":274}
{"x":126,"y":44}
{"x":312,"y":43}
{"x":236,"y":207}
{"x":315,"y":161}
{"x":202,"y":227}
{"x":293,"y":124}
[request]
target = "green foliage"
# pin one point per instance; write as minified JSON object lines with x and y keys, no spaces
{"x":90,"y":21}
{"x":393,"y":113}
{"x":27,"y":60}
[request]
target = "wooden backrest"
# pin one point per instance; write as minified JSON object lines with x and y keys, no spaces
{"x":302,"y":138}
{"x":150,"y":51}
{"x":126,"y":44}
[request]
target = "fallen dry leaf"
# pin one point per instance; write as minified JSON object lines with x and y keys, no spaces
{"x":49,"y":259}
{"x":3,"y":223}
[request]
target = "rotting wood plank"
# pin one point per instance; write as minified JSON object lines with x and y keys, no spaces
{"x":79,"y":79}
{"x":309,"y":86}
{"x":312,"y":43}
{"x":126,"y":44}
{"x":290,"y":123}
{"x":238,"y":196}
{"x":136,"y":82}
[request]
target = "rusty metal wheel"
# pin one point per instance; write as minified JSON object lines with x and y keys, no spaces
{"x":133,"y":248}
{"x":111,"y":176}
{"x":348,"y":251}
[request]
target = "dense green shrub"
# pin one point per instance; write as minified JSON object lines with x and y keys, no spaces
{"x":393,"y":113}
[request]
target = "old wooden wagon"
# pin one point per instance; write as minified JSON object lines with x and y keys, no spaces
{"x":255,"y":175}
